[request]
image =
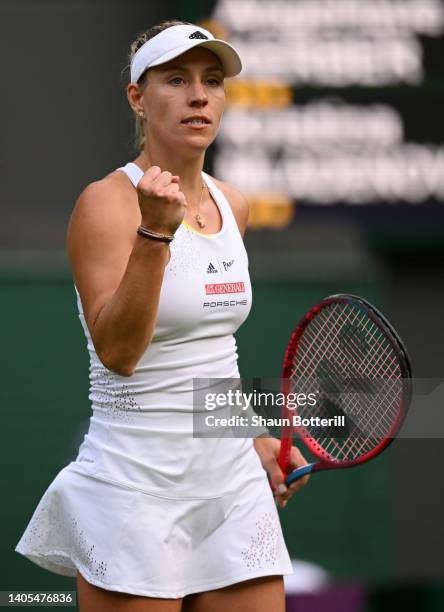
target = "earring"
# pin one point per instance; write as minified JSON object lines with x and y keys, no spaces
{"x":142,"y":114}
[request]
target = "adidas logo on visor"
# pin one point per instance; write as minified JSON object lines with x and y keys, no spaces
{"x":198,"y":34}
{"x":211,"y":269}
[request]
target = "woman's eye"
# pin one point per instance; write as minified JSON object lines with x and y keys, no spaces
{"x":176,"y":80}
{"x":214,"y":82}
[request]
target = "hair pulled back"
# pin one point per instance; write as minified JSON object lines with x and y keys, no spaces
{"x":140,"y":40}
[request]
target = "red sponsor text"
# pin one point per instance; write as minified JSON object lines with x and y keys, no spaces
{"x":216,"y":289}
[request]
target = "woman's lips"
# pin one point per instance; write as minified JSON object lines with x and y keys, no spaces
{"x":196,"y":124}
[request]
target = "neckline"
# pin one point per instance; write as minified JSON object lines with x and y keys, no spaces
{"x":209,"y":185}
{"x":219,"y":208}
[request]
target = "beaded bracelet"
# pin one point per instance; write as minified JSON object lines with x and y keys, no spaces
{"x":146,"y":233}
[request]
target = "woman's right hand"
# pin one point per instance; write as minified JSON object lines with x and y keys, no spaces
{"x":161,"y":202}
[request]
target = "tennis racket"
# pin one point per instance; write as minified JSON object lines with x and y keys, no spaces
{"x":347,"y":355}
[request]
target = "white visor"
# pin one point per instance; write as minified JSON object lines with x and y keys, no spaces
{"x":176,"y":40}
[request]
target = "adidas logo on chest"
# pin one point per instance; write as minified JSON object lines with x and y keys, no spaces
{"x":212,"y":269}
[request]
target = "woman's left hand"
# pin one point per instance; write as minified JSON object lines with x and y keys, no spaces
{"x":268,"y":451}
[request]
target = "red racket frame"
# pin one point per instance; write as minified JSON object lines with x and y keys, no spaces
{"x":291,"y":352}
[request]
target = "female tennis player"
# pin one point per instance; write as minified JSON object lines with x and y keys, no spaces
{"x":149,"y":517}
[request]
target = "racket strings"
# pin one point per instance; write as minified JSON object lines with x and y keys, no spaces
{"x":361,"y":438}
{"x":376,"y":345}
{"x":358,"y":405}
{"x":342,"y":360}
{"x":343,"y":351}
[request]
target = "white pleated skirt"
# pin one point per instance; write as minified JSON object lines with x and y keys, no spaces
{"x":125,"y":539}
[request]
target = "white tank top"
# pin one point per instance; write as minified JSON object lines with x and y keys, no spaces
{"x":141,"y":428}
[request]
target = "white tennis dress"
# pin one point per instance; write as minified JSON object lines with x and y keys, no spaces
{"x":146,"y":508}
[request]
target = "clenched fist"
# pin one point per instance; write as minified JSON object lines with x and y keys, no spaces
{"x":161,"y":202}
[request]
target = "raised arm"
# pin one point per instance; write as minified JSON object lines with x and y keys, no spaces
{"x":118,"y":273}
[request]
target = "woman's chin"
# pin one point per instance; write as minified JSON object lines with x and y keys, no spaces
{"x":196,"y":143}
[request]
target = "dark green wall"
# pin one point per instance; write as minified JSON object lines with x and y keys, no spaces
{"x":45,"y":408}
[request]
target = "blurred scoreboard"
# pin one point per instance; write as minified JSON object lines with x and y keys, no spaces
{"x":338,"y":108}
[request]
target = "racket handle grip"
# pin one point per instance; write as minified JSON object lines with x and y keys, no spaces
{"x":299,"y":473}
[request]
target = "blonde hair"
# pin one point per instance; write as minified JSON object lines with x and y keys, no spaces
{"x":141,"y":39}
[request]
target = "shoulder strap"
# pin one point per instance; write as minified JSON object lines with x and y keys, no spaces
{"x":133,"y":172}
{"x":221,"y":200}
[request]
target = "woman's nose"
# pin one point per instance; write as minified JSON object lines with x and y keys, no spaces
{"x":198,"y":94}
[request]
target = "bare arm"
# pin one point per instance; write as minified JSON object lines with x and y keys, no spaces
{"x":119,"y":274}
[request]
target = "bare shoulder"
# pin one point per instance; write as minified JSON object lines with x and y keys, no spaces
{"x":103,"y":223}
{"x":238,"y":202}
{"x":109,"y":196}
{"x":107,"y":203}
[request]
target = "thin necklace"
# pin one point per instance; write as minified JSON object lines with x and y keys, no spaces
{"x":199,"y":219}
